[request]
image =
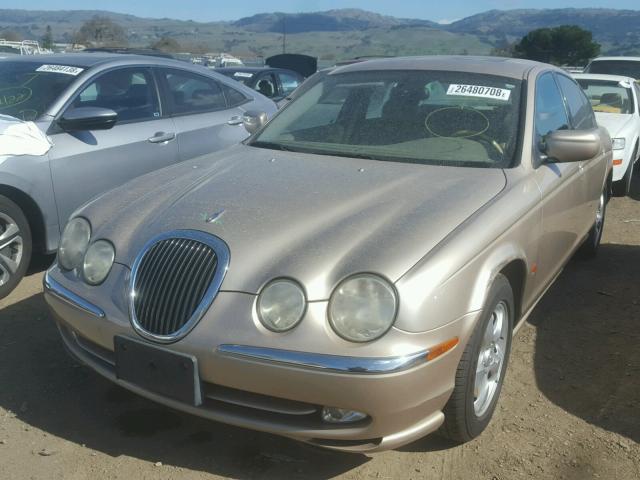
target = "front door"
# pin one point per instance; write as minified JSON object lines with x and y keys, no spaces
{"x":85,"y":164}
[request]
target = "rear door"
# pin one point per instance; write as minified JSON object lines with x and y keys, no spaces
{"x":207,"y":114}
{"x":85,"y":164}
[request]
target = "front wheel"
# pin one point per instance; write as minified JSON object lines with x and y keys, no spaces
{"x":15,"y":245}
{"x":481,"y":370}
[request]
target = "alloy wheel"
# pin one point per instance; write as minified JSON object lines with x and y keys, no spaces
{"x":491,"y":359}
{"x":11,"y":248}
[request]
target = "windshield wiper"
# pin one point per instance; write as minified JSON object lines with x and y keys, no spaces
{"x":270,"y":145}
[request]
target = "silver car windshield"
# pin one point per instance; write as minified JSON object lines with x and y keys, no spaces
{"x":430,"y":117}
{"x":27,"y":89}
{"x":608,"y":97}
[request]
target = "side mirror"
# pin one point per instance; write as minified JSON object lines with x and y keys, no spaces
{"x":88,"y":118}
{"x":254,"y":121}
{"x":571,"y":145}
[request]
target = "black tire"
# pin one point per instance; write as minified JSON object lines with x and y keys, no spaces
{"x":10,"y":277}
{"x":590,"y":247}
{"x":622,"y":187}
{"x":461,"y":422}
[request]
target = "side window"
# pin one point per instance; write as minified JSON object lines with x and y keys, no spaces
{"x":550,"y":112}
{"x":130,"y":92}
{"x":234,"y":97}
{"x":577,"y":103}
{"x":193,"y":93}
{"x":266,"y":85}
{"x":289,"y":82}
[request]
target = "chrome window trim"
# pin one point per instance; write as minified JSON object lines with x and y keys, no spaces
{"x":55,"y":289}
{"x":223,"y":257}
{"x":325,"y":362}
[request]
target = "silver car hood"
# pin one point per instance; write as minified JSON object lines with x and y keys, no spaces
{"x":313,"y":218}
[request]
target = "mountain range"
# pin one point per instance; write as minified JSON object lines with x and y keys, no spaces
{"x":343,"y":33}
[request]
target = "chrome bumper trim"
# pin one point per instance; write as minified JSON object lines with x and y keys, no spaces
{"x":54,"y":288}
{"x":330,"y":363}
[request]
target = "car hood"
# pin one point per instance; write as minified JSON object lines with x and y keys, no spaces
{"x":313,"y":218}
{"x":615,"y":123}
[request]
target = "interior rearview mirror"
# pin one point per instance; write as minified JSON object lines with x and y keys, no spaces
{"x":571,"y":145}
{"x":88,"y":118}
{"x":254,"y":121}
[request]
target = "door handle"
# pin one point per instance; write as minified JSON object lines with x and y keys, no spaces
{"x":162,"y":137}
{"x":235,"y":120}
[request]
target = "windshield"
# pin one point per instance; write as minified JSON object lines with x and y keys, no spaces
{"x":609,"y":97}
{"x":430,"y":117}
{"x":27,"y":89}
{"x":624,"y":68}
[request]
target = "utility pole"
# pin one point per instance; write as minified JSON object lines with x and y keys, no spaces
{"x":284,"y":33}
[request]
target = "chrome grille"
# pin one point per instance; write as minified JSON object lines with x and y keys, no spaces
{"x":174,"y":280}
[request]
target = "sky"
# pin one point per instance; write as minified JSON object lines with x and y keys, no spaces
{"x":212,"y":10}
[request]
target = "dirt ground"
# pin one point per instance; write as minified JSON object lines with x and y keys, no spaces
{"x":570,"y":408}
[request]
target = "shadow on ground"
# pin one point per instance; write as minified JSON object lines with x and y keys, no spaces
{"x":587,"y":356}
{"x":51,"y":392}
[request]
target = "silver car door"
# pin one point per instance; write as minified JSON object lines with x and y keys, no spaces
{"x":560,"y":185}
{"x":205,"y":120}
{"x":87,"y":163}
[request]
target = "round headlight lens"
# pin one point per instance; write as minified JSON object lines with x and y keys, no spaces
{"x":73,"y":244}
{"x":281,"y":305}
{"x":98,"y":261}
{"x":362,"y":308}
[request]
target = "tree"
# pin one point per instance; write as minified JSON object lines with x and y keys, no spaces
{"x":563,"y":45}
{"x":101,"y":31}
{"x":47,"y":39}
{"x":166,"y":44}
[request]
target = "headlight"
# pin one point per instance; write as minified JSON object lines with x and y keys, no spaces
{"x":362,"y":308}
{"x":73,"y":244}
{"x":97,"y":262}
{"x":281,"y":305}
{"x":618,"y":143}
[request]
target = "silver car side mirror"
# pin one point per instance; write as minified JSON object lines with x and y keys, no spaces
{"x":571,"y":145}
{"x":254,"y":121}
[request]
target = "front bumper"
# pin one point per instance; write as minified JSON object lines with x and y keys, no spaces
{"x":278,"y":390}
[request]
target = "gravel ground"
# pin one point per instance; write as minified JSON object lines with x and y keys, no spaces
{"x":570,"y":407}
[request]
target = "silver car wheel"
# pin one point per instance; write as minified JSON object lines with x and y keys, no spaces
{"x":491,"y":359}
{"x":11,"y":248}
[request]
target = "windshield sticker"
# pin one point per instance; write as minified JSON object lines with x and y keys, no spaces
{"x":67,"y":70}
{"x":624,"y":83}
{"x":479,"y":91}
{"x":243,"y":74}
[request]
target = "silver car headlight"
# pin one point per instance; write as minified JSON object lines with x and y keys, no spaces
{"x":363,"y":307}
{"x":618,"y":143}
{"x":97,"y":262}
{"x":281,"y":305}
{"x":73,"y":243}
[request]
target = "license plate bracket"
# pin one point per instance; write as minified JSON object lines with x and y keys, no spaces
{"x":158,"y":370}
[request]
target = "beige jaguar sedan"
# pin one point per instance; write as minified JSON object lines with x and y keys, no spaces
{"x":352,"y":275}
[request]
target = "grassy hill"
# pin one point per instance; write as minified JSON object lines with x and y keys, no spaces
{"x":341,"y":34}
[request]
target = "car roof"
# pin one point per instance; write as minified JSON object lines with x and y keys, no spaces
{"x":506,"y":67}
{"x":91,"y":59}
{"x":626,"y":59}
{"x":602,"y":76}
